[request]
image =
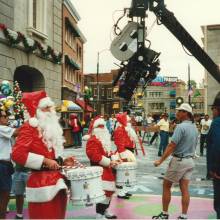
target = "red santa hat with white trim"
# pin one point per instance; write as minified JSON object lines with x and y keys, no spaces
{"x":33,"y":101}
{"x":122,"y":118}
{"x":97,"y":122}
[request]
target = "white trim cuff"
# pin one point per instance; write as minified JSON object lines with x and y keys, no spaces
{"x":108,"y":185}
{"x":34,"y":161}
{"x":105,"y":162}
{"x":128,"y":155}
{"x":44,"y":193}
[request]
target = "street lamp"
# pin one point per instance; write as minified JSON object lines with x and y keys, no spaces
{"x":87,"y":96}
{"x":192,"y":105}
{"x":97,"y":76}
{"x":179,"y":100}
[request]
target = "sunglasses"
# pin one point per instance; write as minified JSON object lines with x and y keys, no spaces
{"x":4,"y":116}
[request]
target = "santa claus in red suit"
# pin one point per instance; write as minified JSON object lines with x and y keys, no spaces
{"x":39,"y":143}
{"x":98,"y":150}
{"x":125,"y":139}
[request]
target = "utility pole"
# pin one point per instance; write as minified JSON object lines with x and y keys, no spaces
{"x":189,"y":86}
{"x":97,"y":79}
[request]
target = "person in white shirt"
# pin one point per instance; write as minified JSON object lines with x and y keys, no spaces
{"x":163,"y":126}
{"x":205,"y":126}
{"x":139,"y":120}
{"x":6,"y":167}
{"x":149,"y":119}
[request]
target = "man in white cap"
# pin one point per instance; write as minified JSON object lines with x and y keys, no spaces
{"x":182,"y":148}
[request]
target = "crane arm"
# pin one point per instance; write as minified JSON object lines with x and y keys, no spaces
{"x":168,"y":19}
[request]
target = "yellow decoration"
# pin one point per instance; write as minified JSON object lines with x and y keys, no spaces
{"x":8,"y":104}
{"x":63,"y":108}
{"x":3,"y":108}
{"x":65,"y":103}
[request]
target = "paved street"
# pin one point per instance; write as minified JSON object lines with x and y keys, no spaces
{"x":146,"y":200}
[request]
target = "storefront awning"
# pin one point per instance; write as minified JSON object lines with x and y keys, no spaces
{"x":68,"y":105}
{"x":84,"y":106}
{"x":115,"y":106}
{"x":72,"y":63}
{"x":75,"y":29}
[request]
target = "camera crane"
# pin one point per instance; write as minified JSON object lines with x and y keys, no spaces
{"x":140,"y":63}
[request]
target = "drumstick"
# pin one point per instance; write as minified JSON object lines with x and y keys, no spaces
{"x":78,"y":164}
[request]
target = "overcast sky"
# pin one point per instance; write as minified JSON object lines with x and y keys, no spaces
{"x":97,"y":21}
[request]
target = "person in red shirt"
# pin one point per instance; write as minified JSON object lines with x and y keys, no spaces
{"x":76,"y":130}
{"x":39,"y":146}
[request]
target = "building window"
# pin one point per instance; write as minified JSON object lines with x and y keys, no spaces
{"x":109,"y":93}
{"x":157,"y":106}
{"x":70,"y":74}
{"x":80,"y":54}
{"x":102,"y":109}
{"x":66,"y":72}
{"x":103,"y":92}
{"x":145,"y":93}
{"x":37,"y":18}
{"x":95,"y":92}
{"x":70,"y":38}
{"x":155,"y":94}
{"x":35,"y":14}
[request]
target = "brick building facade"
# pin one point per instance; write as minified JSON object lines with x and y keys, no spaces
{"x":105,"y":98}
{"x":72,"y":46}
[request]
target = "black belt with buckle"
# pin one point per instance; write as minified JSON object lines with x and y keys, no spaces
{"x":182,"y":157}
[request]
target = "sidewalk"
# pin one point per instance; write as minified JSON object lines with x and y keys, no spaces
{"x":137,"y":207}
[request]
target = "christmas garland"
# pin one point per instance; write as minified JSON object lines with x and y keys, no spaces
{"x":14,"y":38}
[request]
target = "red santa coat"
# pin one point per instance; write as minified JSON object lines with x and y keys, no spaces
{"x":30,"y":151}
{"x":99,"y":156}
{"x":123,"y":141}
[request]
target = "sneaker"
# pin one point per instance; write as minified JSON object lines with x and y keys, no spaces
{"x":109,"y":215}
{"x":99,"y":216}
{"x":18,"y":217}
{"x":181,"y":217}
{"x":128,"y":194}
{"x":123,"y":197}
{"x":161,"y":216}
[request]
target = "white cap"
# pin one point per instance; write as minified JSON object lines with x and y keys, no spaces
{"x":185,"y":107}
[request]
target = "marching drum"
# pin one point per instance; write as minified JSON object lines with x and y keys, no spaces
{"x":126,"y":174}
{"x":86,"y":185}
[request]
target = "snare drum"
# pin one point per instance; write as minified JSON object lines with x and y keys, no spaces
{"x":86,"y":185}
{"x":126,"y":174}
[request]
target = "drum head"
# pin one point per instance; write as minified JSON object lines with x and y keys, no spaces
{"x":84,"y":173}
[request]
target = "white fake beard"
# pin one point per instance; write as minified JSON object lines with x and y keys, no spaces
{"x":51,"y":131}
{"x":102,"y":134}
{"x":131,"y":133}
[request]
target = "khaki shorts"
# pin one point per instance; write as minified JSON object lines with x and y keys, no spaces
{"x":179,"y":169}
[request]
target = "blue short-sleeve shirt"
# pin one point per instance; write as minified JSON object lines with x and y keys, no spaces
{"x":185,"y":137}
